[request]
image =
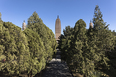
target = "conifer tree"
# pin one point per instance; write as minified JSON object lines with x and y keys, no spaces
{"x":0,"y":18}
{"x":15,"y":52}
{"x":64,"y":42}
{"x":36,"y":24}
{"x":79,"y":48}
{"x":101,"y":27}
{"x":97,"y":20}
{"x":114,"y":34}
{"x":104,"y":39}
{"x":87,"y":48}
{"x":103,"y":33}
{"x":37,"y":52}
{"x":67,"y":31}
{"x":34,"y":19}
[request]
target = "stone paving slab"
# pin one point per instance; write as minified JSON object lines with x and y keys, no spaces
{"x":57,"y":68}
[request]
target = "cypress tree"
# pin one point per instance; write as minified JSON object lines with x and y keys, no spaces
{"x":1,"y":18}
{"x":64,"y":42}
{"x":15,"y":52}
{"x":36,"y":24}
{"x":79,"y":47}
{"x":37,"y":52}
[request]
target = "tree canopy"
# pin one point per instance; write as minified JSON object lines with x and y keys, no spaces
{"x":37,"y":51}
{"x":85,"y":50}
{"x":27,"y":51}
{"x":36,"y":24}
{"x":14,"y":49}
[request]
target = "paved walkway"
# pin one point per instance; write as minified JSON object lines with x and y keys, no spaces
{"x":57,"y":68}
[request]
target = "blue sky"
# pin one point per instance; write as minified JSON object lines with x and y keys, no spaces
{"x":69,"y":11}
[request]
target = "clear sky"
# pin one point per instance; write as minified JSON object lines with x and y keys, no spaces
{"x":69,"y":11}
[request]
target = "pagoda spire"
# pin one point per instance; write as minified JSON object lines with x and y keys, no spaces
{"x":57,"y":28}
{"x":91,"y":24}
{"x":57,"y":16}
{"x":24,"y":25}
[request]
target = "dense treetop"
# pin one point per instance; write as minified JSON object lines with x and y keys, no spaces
{"x":25,"y":52}
{"x":85,"y":50}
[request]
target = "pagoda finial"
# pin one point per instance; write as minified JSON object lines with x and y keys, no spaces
{"x":24,"y":25}
{"x":57,"y":16}
{"x":91,"y":25}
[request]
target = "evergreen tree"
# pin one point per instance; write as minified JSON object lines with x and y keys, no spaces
{"x":0,"y":16}
{"x":103,"y":40}
{"x":1,"y":19}
{"x":114,"y":34}
{"x":37,"y":52}
{"x":60,"y":41}
{"x":35,"y":23}
{"x":87,"y":48}
{"x":67,"y":31}
{"x":15,"y":52}
{"x":104,"y":35}
{"x":97,"y":20}
{"x":79,"y":48}
{"x":82,"y":49}
{"x":64,"y":42}
{"x":34,"y":19}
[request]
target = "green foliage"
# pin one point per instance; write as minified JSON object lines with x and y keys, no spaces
{"x":81,"y":53}
{"x":105,"y":39}
{"x":28,"y":51}
{"x":37,"y":52}
{"x":67,"y":31}
{"x":0,"y":16}
{"x":14,"y":49}
{"x":1,"y":19}
{"x":34,"y":19}
{"x":97,"y":20}
{"x":114,"y":34}
{"x":35,"y":23}
{"x":85,"y":50}
{"x":64,"y":42}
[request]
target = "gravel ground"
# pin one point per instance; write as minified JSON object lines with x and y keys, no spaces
{"x":57,"y":68}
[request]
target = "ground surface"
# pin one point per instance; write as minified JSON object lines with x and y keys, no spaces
{"x":57,"y":68}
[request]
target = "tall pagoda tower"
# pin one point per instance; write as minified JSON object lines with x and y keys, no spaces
{"x":24,"y":25}
{"x":57,"y":28}
{"x":91,"y":24}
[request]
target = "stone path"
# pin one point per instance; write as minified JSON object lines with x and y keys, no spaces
{"x":57,"y":68}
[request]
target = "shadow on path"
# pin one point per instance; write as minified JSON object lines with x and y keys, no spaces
{"x":57,"y":68}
